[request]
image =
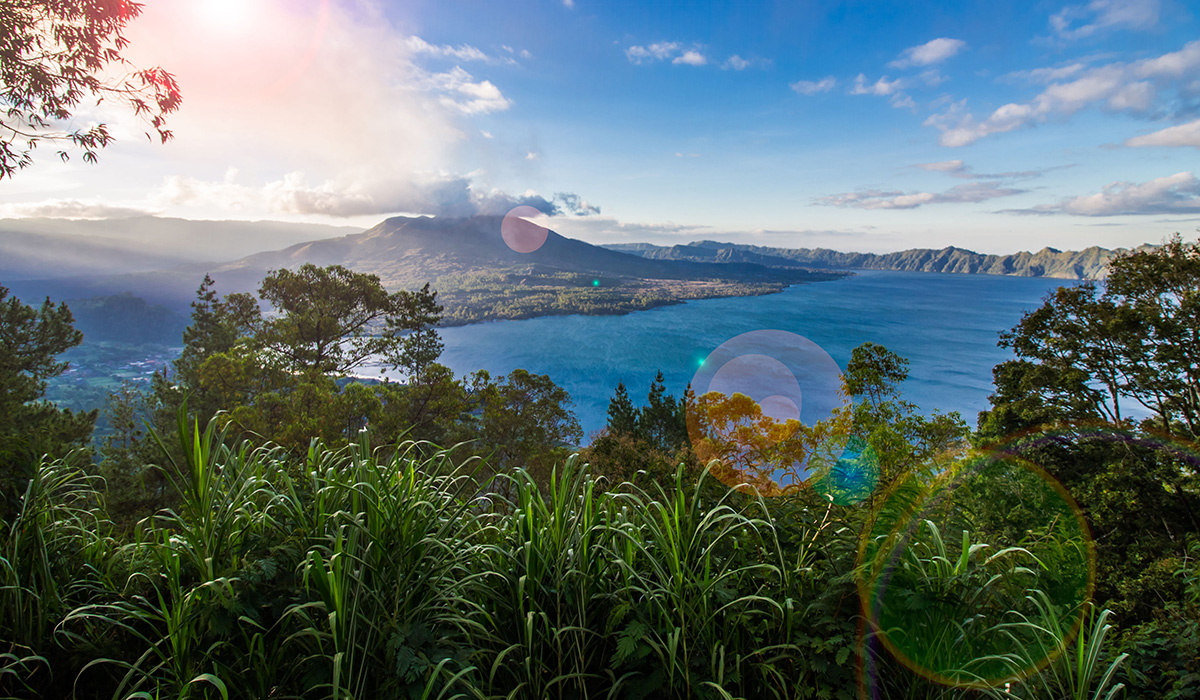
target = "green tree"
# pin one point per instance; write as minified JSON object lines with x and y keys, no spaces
{"x":1091,"y":350}
{"x":899,"y":435}
{"x":662,"y":421}
{"x":1083,"y":357}
{"x":217,"y":325}
{"x":30,"y":342}
{"x":282,"y":376}
{"x":622,"y":416}
{"x":526,"y":420}
{"x":53,"y":57}
{"x":329,"y":320}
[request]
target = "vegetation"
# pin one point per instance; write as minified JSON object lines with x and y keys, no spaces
{"x":54,"y":55}
{"x":286,"y":530}
{"x":528,"y":293}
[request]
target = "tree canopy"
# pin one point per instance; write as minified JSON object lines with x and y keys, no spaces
{"x":57,"y":54}
{"x":30,"y":342}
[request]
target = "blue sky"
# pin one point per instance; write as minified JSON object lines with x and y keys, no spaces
{"x":859,"y":126}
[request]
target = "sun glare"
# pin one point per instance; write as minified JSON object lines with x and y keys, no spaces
{"x":225,"y":14}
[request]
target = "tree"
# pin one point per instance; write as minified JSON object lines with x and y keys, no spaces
{"x":895,"y":431}
{"x":330,"y":320}
{"x":1092,"y":349}
{"x":54,"y":55}
{"x":662,"y":422}
{"x":875,"y":372}
{"x":1083,"y":357}
{"x":622,"y":416}
{"x":750,"y":446}
{"x":30,"y":342}
{"x":282,"y":376}
{"x":526,"y":420}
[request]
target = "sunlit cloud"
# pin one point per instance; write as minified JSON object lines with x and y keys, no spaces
{"x":1173,"y":194}
{"x":1121,"y":87}
{"x":1173,"y":136}
{"x":70,"y":209}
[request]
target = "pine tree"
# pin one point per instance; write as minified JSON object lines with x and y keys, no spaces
{"x":30,"y":342}
{"x":662,"y":421}
{"x":622,"y":416}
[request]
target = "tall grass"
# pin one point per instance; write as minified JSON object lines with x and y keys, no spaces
{"x":404,"y":573}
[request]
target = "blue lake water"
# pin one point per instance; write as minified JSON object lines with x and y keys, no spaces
{"x":946,"y":325}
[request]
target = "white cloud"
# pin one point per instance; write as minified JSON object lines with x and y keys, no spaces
{"x":486,"y":134}
{"x":324,"y":73}
{"x":691,"y":58}
{"x":418,"y":193}
{"x":1173,"y":194}
{"x":460,"y":93}
{"x":1047,"y":75}
{"x":880,"y":87}
{"x":653,"y":52}
{"x":930,"y":52}
{"x":462,"y":52}
{"x":569,"y":4}
{"x":531,"y":156}
{"x":958,"y":169}
{"x":1078,"y":21}
{"x":895,"y":199}
{"x":1181,"y":135}
{"x":1127,"y":87}
{"x":736,"y":62}
{"x":812,"y":87}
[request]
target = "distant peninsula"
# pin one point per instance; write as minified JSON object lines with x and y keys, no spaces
{"x":1088,"y":264}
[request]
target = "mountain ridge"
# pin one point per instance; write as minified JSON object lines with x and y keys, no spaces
{"x":1087,"y":264}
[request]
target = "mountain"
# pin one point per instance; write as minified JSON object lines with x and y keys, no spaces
{"x":409,"y":251}
{"x":39,"y":249}
{"x":476,"y":275}
{"x":1090,"y":263}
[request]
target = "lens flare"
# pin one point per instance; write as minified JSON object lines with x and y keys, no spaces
{"x":754,"y":402}
{"x":953,"y":572}
{"x":520,"y":234}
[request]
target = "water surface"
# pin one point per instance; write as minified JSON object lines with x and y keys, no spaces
{"x":947,"y":326}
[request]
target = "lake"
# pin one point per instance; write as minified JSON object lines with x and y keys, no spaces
{"x":946,"y":325}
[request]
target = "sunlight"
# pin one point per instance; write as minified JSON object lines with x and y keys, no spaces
{"x":226,"y":15}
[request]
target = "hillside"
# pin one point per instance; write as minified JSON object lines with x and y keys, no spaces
{"x":476,"y":275}
{"x":1089,"y":263}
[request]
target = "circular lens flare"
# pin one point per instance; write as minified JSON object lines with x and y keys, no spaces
{"x":754,"y":401}
{"x":961,"y":577}
{"x":520,"y":234}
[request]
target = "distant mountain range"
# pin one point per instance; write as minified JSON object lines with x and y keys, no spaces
{"x":477,"y":276}
{"x":1090,"y":263}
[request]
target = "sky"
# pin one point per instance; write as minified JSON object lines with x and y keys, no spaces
{"x":860,"y":126}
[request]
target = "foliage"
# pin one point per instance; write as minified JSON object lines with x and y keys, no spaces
{"x":56,"y":55}
{"x":1088,"y":351}
{"x":525,"y":420}
{"x":329,"y":320}
{"x":30,"y":342}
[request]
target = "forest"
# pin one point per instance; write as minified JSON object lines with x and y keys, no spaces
{"x":262,"y":522}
